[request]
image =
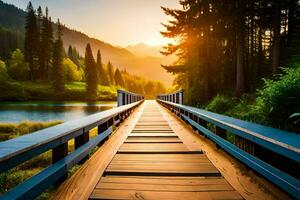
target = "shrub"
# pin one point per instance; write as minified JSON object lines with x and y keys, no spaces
{"x":71,"y":71}
{"x":221,"y":104}
{"x":281,"y":97}
{"x":18,"y":69}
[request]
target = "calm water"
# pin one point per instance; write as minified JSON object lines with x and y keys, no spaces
{"x":47,"y":111}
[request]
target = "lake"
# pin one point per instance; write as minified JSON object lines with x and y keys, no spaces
{"x":48,"y":111}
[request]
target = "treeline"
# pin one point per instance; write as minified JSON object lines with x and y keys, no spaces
{"x":9,"y":40}
{"x":44,"y":60}
{"x":98,"y":74}
{"x":229,"y":46}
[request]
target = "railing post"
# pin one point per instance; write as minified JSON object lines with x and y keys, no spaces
{"x":82,"y":139}
{"x":120,"y":98}
{"x":221,"y":132}
{"x":59,"y":152}
{"x":125,"y":98}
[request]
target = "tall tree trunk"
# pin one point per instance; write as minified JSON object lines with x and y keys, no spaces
{"x":276,"y":38}
{"x":240,"y":77}
{"x":291,"y":21}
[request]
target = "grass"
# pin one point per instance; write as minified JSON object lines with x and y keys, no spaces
{"x":74,"y":91}
{"x":12,"y":130}
{"x":19,"y":174}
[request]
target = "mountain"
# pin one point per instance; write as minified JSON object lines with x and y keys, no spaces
{"x":143,"y":50}
{"x":147,"y":66}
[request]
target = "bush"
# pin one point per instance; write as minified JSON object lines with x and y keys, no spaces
{"x":3,"y":70}
{"x":71,"y":71}
{"x":18,"y":69}
{"x":281,"y":97}
{"x":221,"y":104}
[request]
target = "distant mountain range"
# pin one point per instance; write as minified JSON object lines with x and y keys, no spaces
{"x":143,"y":50}
{"x":141,"y":59}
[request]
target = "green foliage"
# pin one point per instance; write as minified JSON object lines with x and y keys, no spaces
{"x":17,"y":129}
{"x":119,"y":79}
{"x":18,"y":69}
{"x":31,"y":42}
{"x":245,"y":108}
{"x":111,"y":73}
{"x":102,"y":74}
{"x":58,"y":73}
{"x":281,"y":97}
{"x":221,"y":104}
{"x":71,"y":71}
{"x":19,"y":174}
{"x":3,"y":70}
{"x":91,"y":72}
{"x":9,"y":40}
{"x":74,"y":55}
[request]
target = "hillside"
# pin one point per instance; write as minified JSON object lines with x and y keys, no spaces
{"x":143,"y":50}
{"x":149,"y":67}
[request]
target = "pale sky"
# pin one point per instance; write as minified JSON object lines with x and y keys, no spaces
{"x":119,"y":22}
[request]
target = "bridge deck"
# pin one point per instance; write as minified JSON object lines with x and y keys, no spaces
{"x":154,"y":155}
{"x":153,"y":163}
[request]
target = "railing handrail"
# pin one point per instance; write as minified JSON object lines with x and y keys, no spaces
{"x":175,"y":97}
{"x":125,"y":97}
{"x":32,"y":141}
{"x":280,"y":142}
{"x":16,"y":151}
{"x":287,"y":140}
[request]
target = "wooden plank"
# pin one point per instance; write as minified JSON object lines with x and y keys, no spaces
{"x":164,"y":187}
{"x":89,"y":174}
{"x":256,"y":186}
{"x":153,"y":147}
{"x":166,"y":157}
{"x":154,"y":195}
{"x":163,"y":181}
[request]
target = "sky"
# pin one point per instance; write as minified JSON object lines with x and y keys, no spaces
{"x":118,"y":22}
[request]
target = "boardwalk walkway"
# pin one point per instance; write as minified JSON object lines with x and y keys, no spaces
{"x":154,"y":163}
{"x":146,"y":158}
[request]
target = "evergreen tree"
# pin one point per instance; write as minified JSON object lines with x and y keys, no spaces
{"x":91,"y":72}
{"x":46,"y":46}
{"x":102,"y":76}
{"x":229,"y":45}
{"x":111,"y":73}
{"x":58,"y":74}
{"x":31,"y":42}
{"x":74,"y":55}
{"x":119,"y":79}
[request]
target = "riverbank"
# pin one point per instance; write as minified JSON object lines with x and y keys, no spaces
{"x":12,"y":130}
{"x":74,"y":91}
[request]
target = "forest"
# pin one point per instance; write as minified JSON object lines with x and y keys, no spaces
{"x":34,"y":65}
{"x":238,"y":57}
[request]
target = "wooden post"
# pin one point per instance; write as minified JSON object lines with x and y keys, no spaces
{"x":59,"y":152}
{"x":221,"y":132}
{"x":82,"y":139}
{"x":101,"y":128}
{"x":203,"y":123}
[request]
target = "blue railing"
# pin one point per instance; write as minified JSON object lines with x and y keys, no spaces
{"x":16,"y":151}
{"x":125,"y":97}
{"x":251,"y":144}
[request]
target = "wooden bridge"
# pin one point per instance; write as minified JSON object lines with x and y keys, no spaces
{"x":146,"y":150}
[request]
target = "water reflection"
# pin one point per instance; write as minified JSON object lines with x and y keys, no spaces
{"x":47,"y":111}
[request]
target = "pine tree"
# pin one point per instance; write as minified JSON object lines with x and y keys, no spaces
{"x":91,"y":72}
{"x":111,"y":73}
{"x":31,"y":40}
{"x":119,"y":79}
{"x":58,"y":74}
{"x":102,"y":75}
{"x":46,"y":46}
